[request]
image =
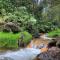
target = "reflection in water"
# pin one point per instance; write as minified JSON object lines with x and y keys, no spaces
{"x":23,"y":54}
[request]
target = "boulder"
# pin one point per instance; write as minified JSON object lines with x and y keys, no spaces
{"x":52,"y":54}
{"x":21,"y":43}
{"x":51,"y":43}
{"x":57,"y":39}
{"x":6,"y":29}
{"x":11,"y":27}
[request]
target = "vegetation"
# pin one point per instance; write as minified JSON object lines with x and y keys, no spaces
{"x":54,"y":33}
{"x":26,"y":37}
{"x":10,"y":40}
{"x":43,"y":16}
{"x":31,"y":16}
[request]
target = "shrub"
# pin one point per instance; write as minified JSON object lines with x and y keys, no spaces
{"x":21,"y":17}
{"x":8,"y":40}
{"x":11,"y":27}
{"x":26,"y":37}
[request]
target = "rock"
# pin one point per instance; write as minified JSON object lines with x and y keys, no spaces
{"x":24,"y":39}
{"x":52,"y":54}
{"x":21,"y":43}
{"x":36,"y":35}
{"x":37,"y":58}
{"x":57,"y":39}
{"x":52,"y":43}
{"x":8,"y":27}
{"x":58,"y":44}
{"x":41,"y":46}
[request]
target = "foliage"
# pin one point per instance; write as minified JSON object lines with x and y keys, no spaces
{"x":54,"y":14}
{"x":26,"y":37}
{"x":54,"y":33}
{"x":53,"y":2}
{"x":7,"y":5}
{"x":22,"y":17}
{"x":50,"y":19}
{"x":9,"y":40}
{"x":31,"y":16}
{"x":27,"y":12}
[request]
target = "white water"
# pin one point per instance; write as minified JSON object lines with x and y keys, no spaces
{"x":23,"y":54}
{"x":37,"y":2}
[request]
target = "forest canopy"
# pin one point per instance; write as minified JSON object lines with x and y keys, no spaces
{"x":43,"y":15}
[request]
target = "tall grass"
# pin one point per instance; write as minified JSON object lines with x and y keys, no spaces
{"x":9,"y":40}
{"x":54,"y":33}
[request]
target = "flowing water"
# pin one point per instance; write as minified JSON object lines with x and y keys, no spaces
{"x":22,"y":54}
{"x":28,"y":53}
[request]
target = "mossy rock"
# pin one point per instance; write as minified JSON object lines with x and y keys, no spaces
{"x":24,"y":39}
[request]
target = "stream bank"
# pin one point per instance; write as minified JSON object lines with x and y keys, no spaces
{"x":28,"y":53}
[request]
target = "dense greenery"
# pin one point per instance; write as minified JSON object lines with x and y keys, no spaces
{"x":30,"y":15}
{"x":45,"y":14}
{"x":22,"y":17}
{"x":10,"y":40}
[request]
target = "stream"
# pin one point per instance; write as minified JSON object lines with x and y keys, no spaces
{"x":22,"y":54}
{"x":28,"y":53}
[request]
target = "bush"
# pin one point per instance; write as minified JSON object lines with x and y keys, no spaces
{"x":26,"y":37}
{"x":22,"y":18}
{"x":11,"y":27}
{"x":8,"y":40}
